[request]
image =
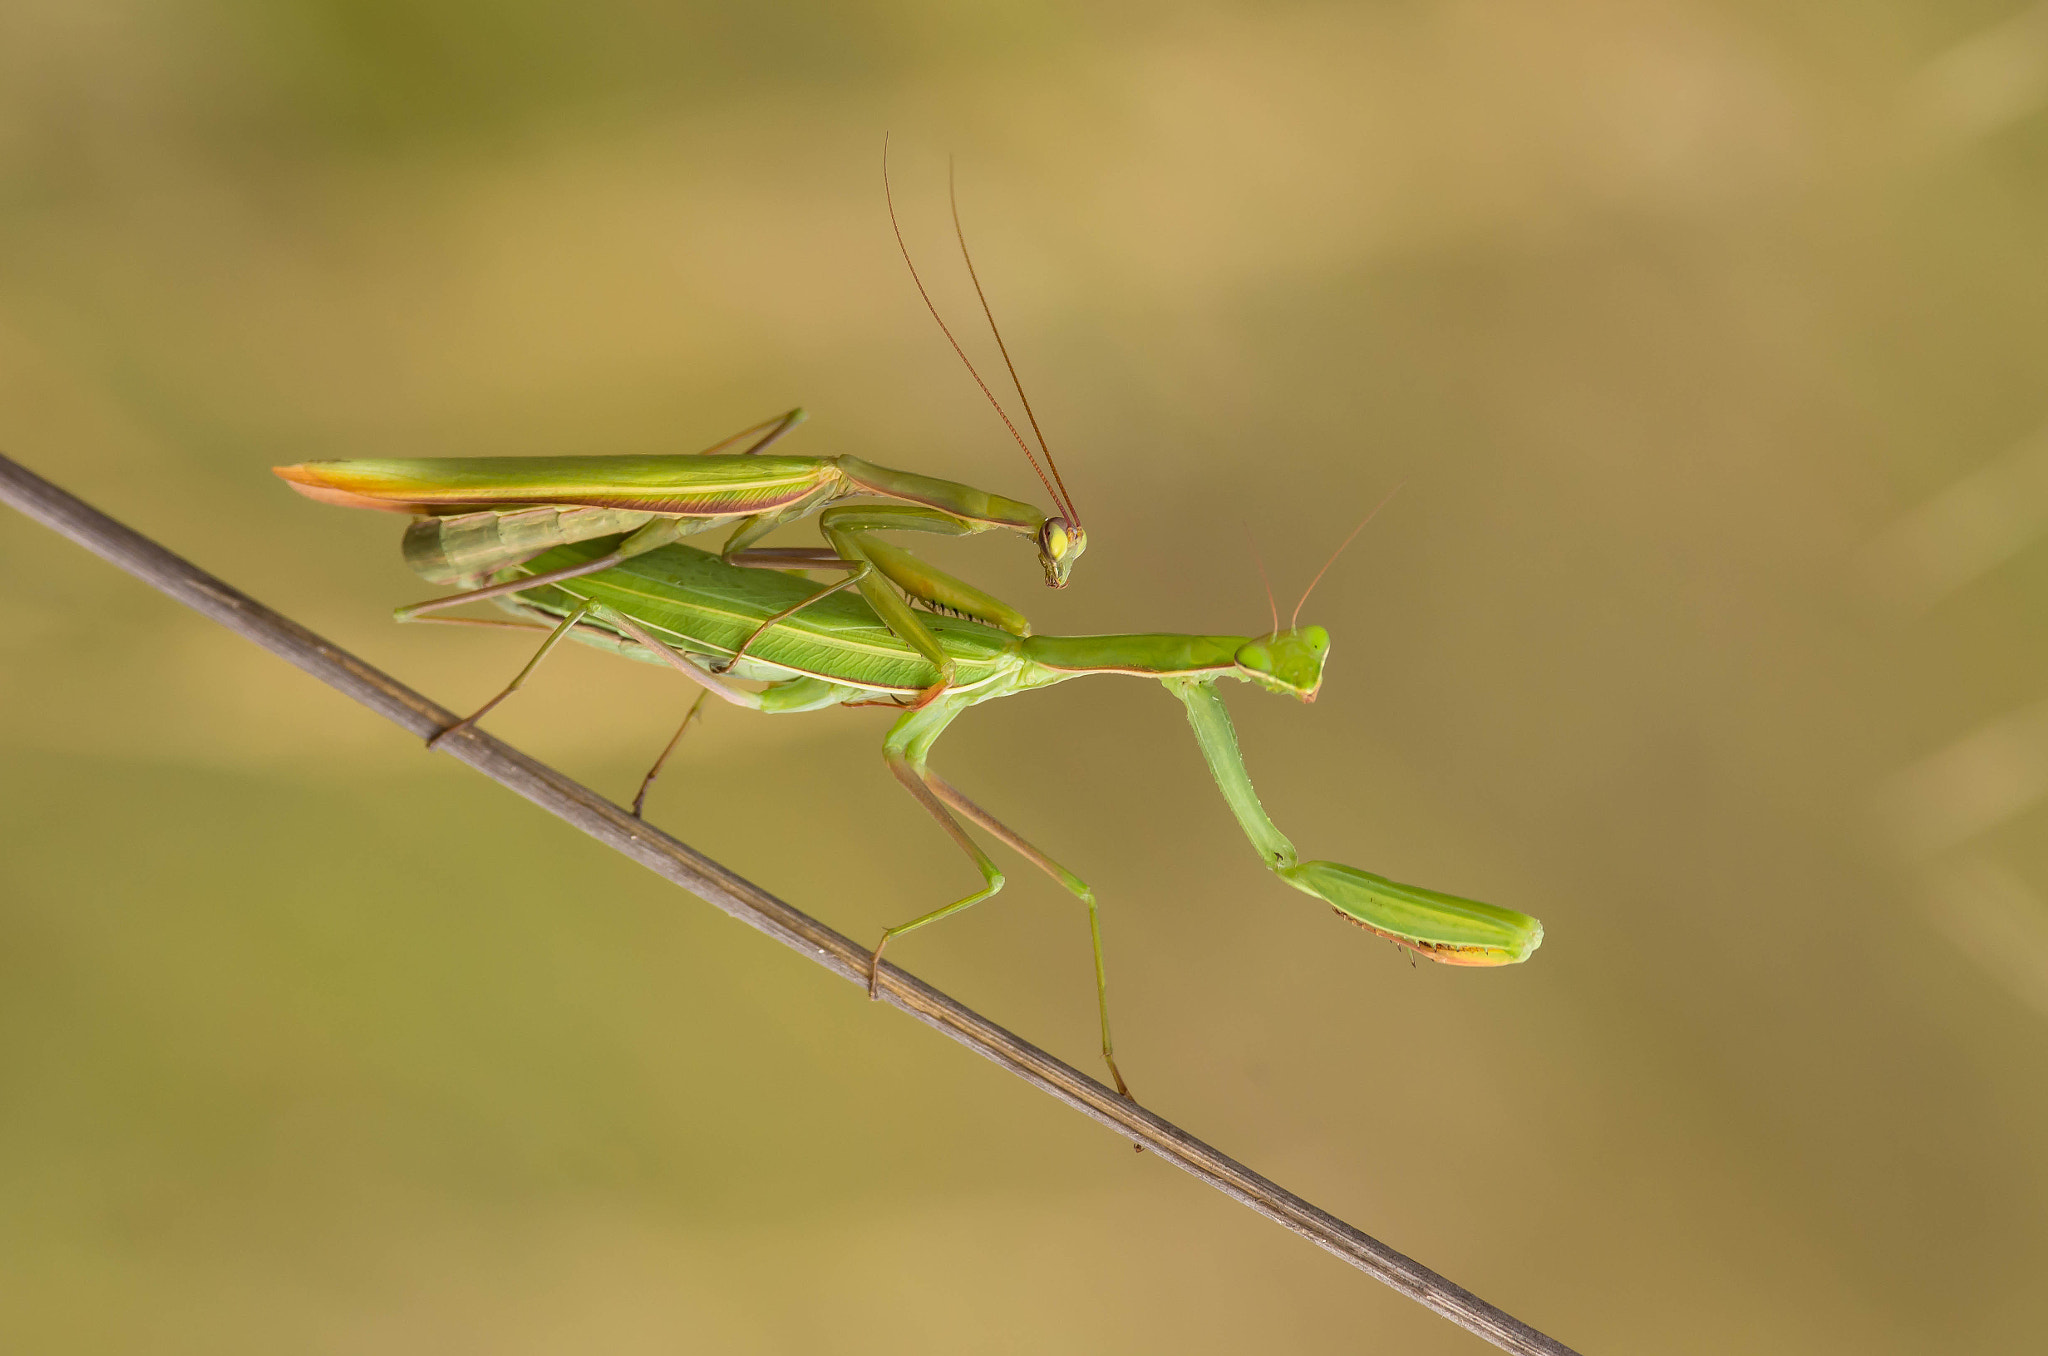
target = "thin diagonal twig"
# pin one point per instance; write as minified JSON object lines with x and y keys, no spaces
{"x":678,"y":862}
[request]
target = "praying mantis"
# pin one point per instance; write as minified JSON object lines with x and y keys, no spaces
{"x":682,"y":607}
{"x":478,"y":515}
{"x":590,"y":548}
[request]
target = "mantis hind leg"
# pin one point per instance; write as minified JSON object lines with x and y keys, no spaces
{"x":776,"y":427}
{"x":567,"y":624}
{"x":913,"y":779}
{"x":946,"y":792}
{"x":647,"y":782}
{"x":905,"y":752}
{"x":788,"y":695}
{"x":896,"y":614}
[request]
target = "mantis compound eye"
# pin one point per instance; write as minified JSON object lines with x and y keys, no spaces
{"x":1060,"y":544}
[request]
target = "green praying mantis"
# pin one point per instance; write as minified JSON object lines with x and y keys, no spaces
{"x":590,"y":547}
{"x":475,"y":516}
{"x":687,"y":609}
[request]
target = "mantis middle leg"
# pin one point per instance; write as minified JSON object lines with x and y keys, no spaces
{"x":647,"y":782}
{"x":905,"y":750}
{"x":581,"y":614}
{"x":567,"y":624}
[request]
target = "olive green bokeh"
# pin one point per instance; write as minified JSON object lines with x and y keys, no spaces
{"x":1698,"y":632}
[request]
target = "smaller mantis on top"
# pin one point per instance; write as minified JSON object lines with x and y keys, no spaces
{"x":478,"y":516}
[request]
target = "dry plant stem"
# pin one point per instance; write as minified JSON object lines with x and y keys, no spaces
{"x":677,"y":862}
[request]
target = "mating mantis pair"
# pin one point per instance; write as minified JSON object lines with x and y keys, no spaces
{"x":818,"y":646}
{"x":591,"y":548}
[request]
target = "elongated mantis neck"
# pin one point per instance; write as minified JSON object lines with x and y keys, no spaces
{"x":1145,"y":656}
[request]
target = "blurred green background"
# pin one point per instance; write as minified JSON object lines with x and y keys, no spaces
{"x":1709,"y":340}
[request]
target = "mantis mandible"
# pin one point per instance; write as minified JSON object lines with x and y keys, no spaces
{"x":686,"y":609}
{"x":479,"y":515}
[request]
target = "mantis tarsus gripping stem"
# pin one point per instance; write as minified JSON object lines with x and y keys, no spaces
{"x":647,"y":782}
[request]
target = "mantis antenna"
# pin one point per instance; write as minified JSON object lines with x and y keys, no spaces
{"x":1295,"y":620}
{"x":889,"y":198}
{"x":1066,"y":500}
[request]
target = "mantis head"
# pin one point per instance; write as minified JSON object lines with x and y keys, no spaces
{"x":1060,"y":544}
{"x":1289,"y":662}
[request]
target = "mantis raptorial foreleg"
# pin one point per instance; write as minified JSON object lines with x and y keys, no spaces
{"x":872,"y":562}
{"x":852,"y":529}
{"x":905,"y":751}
